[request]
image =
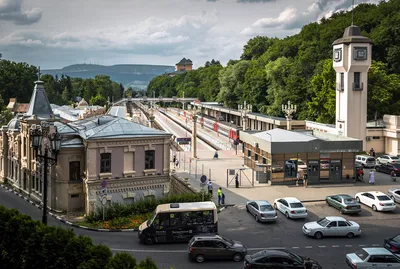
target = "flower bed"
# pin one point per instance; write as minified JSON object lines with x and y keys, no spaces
{"x":117,"y":223}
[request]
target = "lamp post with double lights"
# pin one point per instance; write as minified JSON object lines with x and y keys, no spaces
{"x":289,"y":110}
{"x":52,"y":142}
{"x":244,"y":110}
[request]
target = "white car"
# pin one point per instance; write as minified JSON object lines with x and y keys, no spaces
{"x":332,"y":226}
{"x":377,"y":200}
{"x":388,"y":159}
{"x":378,"y":258}
{"x":291,"y":207}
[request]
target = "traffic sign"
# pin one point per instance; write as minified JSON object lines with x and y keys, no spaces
{"x":183,"y":140}
{"x":203,"y":179}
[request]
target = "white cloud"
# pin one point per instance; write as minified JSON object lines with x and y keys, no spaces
{"x":11,"y":10}
{"x":155,"y":35}
{"x":290,"y":18}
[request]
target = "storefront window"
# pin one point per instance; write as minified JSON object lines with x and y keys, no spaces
{"x":291,"y":168}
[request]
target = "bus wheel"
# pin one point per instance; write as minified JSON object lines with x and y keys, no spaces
{"x":149,"y":240}
{"x":200,"y":258}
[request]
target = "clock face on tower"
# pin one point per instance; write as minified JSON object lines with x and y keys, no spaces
{"x":360,"y":53}
{"x":337,"y":55}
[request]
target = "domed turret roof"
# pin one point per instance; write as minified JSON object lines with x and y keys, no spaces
{"x":14,"y":124}
{"x":83,"y":103}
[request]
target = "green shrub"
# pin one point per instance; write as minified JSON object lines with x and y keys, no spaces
{"x":143,"y":206}
{"x":28,"y":244}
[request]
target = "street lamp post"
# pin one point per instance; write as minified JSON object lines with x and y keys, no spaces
{"x":37,"y":133}
{"x":244,"y":110}
{"x":289,"y":110}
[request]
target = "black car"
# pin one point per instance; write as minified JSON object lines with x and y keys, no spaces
{"x":388,"y":168}
{"x":281,"y":259}
{"x":393,"y":244}
{"x":213,"y":247}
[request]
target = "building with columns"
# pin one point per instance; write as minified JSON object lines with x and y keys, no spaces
{"x":130,"y":159}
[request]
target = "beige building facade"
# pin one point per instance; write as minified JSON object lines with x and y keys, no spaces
{"x":100,"y":156}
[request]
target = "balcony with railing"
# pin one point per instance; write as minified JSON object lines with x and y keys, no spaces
{"x":358,"y":86}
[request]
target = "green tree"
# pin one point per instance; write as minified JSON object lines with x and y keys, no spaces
{"x":121,"y":261}
{"x":98,"y":100}
{"x":256,"y":47}
{"x":323,"y":105}
{"x":383,"y":91}
{"x":147,"y":263}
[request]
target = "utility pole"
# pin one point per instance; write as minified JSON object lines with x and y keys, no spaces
{"x":194,"y":135}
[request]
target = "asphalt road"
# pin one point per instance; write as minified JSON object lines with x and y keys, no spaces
{"x":237,"y":224}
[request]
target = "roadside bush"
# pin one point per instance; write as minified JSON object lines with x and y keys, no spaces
{"x":25,"y":243}
{"x":143,"y":206}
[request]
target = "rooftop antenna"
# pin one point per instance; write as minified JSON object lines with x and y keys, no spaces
{"x":39,"y":73}
{"x":352,"y":14}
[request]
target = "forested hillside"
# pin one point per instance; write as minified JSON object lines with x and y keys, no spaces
{"x":298,"y":68}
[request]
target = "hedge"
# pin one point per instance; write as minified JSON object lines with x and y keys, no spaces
{"x":143,"y":206}
{"x":28,"y":244}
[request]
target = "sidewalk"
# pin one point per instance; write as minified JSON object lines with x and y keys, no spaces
{"x":246,"y":192}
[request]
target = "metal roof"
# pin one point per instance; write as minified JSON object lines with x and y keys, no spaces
{"x":39,"y":104}
{"x":281,"y":135}
{"x":106,"y":126}
{"x":119,"y":111}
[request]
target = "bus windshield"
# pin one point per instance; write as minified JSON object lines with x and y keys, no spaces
{"x":150,"y":221}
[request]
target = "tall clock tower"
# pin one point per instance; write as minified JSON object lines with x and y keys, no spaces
{"x":352,"y":60}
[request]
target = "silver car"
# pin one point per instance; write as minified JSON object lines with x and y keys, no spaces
{"x":332,"y":226}
{"x":394,"y":194}
{"x":366,"y":258}
{"x":261,"y":210}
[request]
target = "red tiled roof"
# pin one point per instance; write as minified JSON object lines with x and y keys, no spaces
{"x":22,"y":108}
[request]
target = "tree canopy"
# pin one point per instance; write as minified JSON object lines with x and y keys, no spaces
{"x":298,"y":68}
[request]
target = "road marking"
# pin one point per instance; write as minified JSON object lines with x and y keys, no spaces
{"x":348,"y":246}
{"x":376,"y":245}
{"x":362,"y":245}
{"x":322,"y":246}
{"x":308,"y":246}
{"x":335,"y":246}
{"x":149,"y":250}
{"x":266,"y":248}
{"x":295,"y":247}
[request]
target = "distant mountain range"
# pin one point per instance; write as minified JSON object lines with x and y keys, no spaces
{"x":130,"y":75}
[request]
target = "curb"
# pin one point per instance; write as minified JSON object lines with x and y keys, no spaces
{"x":40,"y":207}
{"x":312,"y":201}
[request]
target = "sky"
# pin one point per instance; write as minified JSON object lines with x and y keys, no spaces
{"x":57,"y":33}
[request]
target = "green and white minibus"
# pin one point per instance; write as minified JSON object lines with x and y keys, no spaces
{"x":179,"y":222}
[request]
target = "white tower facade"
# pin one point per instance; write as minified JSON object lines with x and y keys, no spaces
{"x":351,"y":61}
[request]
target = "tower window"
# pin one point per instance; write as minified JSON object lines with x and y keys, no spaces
{"x":149,"y":159}
{"x":357,"y":81}
{"x":341,"y":81}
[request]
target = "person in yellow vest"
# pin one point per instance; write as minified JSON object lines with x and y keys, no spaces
{"x":219,"y":196}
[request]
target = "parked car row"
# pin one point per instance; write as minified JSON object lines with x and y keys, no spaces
{"x":213,"y":247}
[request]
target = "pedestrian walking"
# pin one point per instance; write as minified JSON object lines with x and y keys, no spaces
{"x":308,"y":264}
{"x":174,"y":159}
{"x":372,"y":177}
{"x":372,"y":152}
{"x":223,"y":199}
{"x":177,"y":163}
{"x":393,"y":175}
{"x":210,"y":187}
{"x":298,"y":176}
{"x":305,"y":180}
{"x":237,"y":180}
{"x":219,"y":196}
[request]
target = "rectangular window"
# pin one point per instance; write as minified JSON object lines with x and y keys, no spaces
{"x":256,"y":157}
{"x":75,"y":171}
{"x":149,"y":159}
{"x":341,"y":81}
{"x":74,"y":195}
{"x":248,"y":153}
{"x":105,"y":163}
{"x":357,"y":80}
{"x":291,"y":168}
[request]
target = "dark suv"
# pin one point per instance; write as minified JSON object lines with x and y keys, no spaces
{"x":212,"y":247}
